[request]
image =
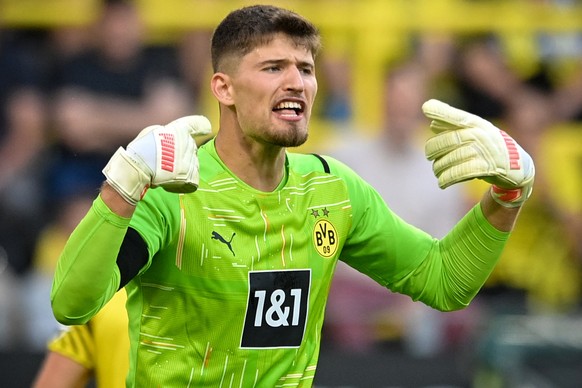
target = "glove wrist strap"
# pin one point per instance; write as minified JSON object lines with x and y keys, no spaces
{"x":124,"y":175}
{"x":510,"y":198}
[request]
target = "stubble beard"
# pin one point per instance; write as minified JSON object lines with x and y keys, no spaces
{"x":292,"y":136}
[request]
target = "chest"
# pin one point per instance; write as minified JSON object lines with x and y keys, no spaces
{"x":292,"y":228}
{"x":225,"y":231}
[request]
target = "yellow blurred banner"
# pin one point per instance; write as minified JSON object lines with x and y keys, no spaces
{"x":371,"y":33}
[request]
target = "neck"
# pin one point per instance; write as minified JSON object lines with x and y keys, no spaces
{"x":259,"y":166}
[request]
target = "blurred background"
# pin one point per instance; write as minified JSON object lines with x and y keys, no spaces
{"x":79,"y":78}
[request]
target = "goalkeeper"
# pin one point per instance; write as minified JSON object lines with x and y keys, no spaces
{"x":227,"y":251}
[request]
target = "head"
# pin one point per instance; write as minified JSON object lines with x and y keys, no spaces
{"x":119,"y":31}
{"x":249,"y":27}
{"x":405,"y":90}
{"x":264,"y":80}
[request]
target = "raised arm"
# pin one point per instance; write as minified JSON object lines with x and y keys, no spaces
{"x":468,"y":147}
{"x":87,"y":275}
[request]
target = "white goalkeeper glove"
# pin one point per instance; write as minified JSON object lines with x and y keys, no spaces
{"x":160,"y":156}
{"x":467,"y":147}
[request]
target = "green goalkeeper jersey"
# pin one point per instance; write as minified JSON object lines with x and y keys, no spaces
{"x":235,"y":288}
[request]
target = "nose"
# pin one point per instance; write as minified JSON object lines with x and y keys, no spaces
{"x":294,"y":79}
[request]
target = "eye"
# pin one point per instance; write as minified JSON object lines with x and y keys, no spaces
{"x":272,"y":69}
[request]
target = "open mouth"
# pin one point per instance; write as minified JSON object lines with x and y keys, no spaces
{"x":288,"y":108}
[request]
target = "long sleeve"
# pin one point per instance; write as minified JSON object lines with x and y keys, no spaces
{"x":457,"y":266}
{"x":87,"y":276}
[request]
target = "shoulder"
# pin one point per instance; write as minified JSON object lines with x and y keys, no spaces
{"x":325,"y":164}
{"x":306,"y":163}
{"x":319,"y":162}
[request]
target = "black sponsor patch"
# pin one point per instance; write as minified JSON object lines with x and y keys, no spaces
{"x":276,"y":308}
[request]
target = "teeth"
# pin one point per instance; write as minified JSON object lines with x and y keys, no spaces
{"x":288,"y":105}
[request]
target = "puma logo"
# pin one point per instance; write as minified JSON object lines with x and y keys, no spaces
{"x":217,"y":236}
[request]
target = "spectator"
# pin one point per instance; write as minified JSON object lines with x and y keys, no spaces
{"x":524,"y":281}
{"x":361,"y":316}
{"x":194,"y":61}
{"x":22,"y":142}
{"x":106,"y":95}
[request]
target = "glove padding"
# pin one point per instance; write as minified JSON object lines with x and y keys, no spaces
{"x":467,"y":147}
{"x":160,"y":156}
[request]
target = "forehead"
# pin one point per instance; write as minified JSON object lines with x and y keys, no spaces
{"x":279,"y":47}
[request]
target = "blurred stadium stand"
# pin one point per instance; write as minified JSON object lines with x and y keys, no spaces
{"x":376,"y":29}
{"x":386,"y":369}
{"x":540,"y":351}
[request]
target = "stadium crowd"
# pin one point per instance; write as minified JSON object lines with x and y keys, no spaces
{"x":70,"y":96}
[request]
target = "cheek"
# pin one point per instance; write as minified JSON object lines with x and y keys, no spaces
{"x":253,"y":98}
{"x":313,"y":87}
{"x":247,"y":104}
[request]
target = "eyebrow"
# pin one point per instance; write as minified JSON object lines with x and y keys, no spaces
{"x":285,"y":61}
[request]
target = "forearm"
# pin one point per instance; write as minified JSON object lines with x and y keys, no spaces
{"x":500,"y":217}
{"x":115,"y":201}
{"x":458,"y":265}
{"x":58,"y":371}
{"x":87,"y":276}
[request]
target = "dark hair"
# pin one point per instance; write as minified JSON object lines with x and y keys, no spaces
{"x":246,"y":28}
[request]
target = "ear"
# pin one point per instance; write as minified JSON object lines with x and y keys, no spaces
{"x":221,"y":88}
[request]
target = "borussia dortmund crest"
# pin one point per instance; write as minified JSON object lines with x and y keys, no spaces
{"x":325,"y":238}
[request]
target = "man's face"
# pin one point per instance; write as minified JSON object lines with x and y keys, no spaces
{"x":273,"y":90}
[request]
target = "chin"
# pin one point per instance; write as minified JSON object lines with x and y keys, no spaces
{"x":290,"y":141}
{"x":297,"y":138}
